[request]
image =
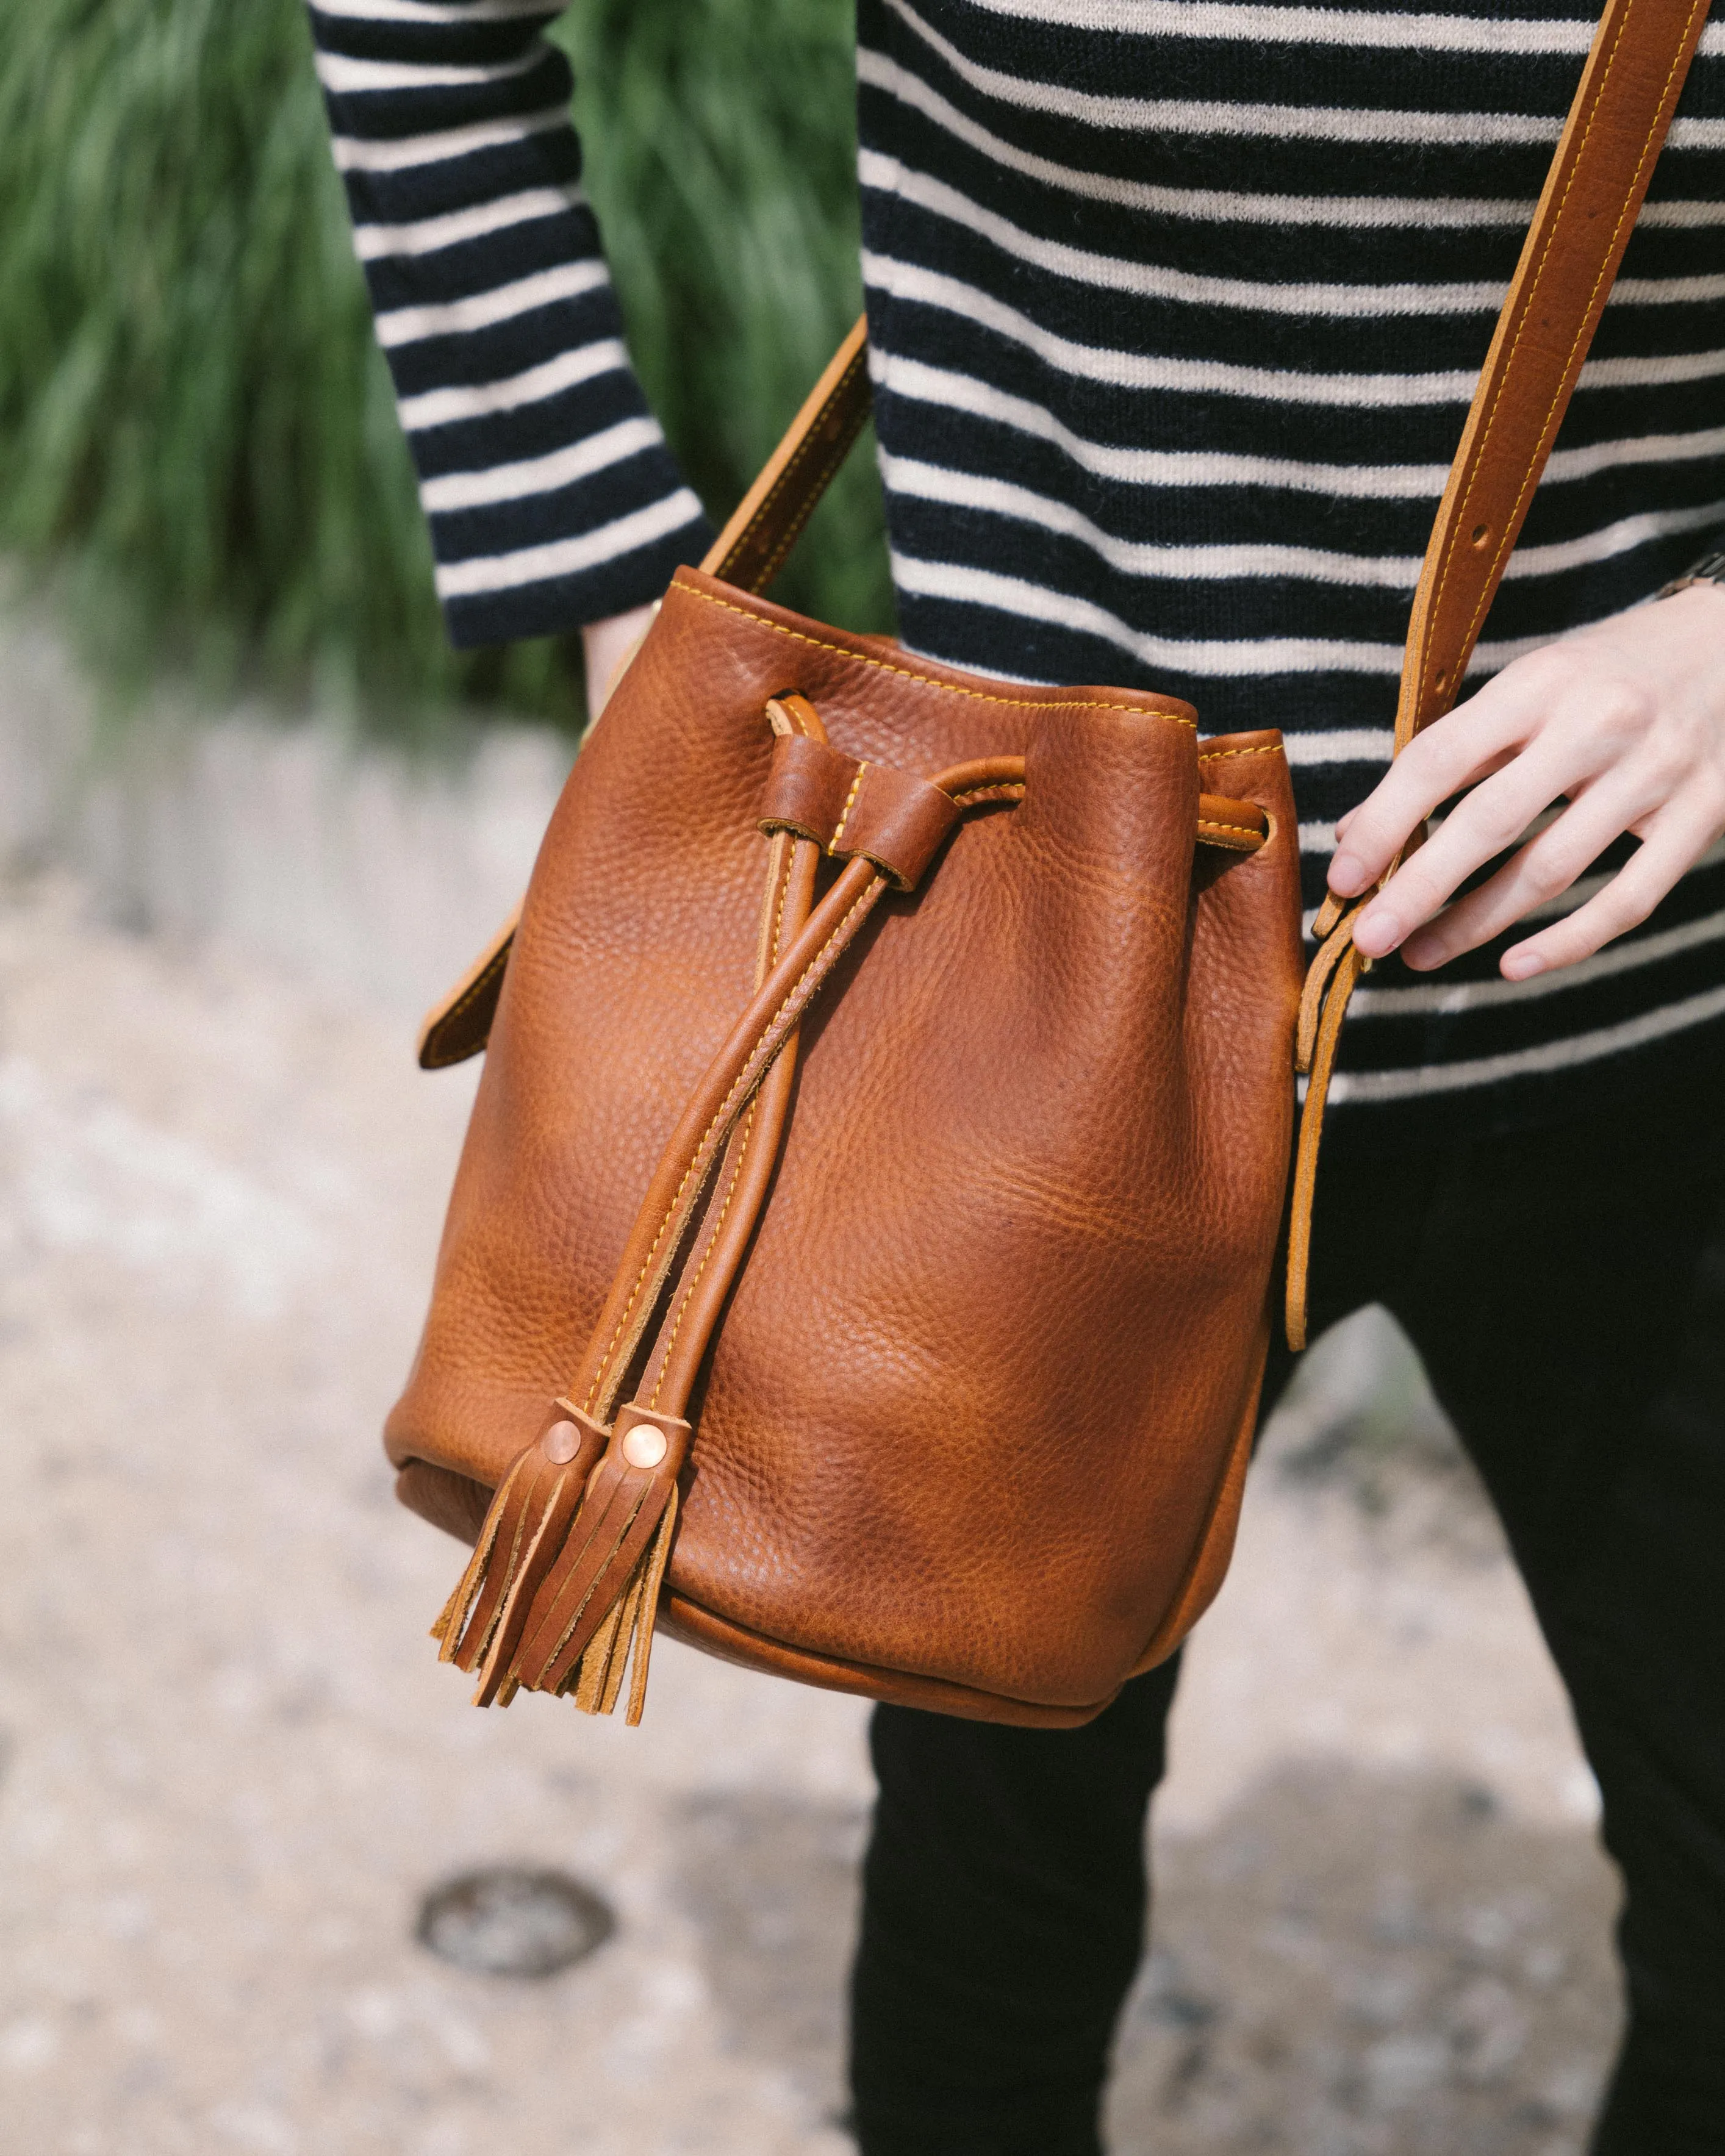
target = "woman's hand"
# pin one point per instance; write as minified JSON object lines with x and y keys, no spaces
{"x":606,"y":649}
{"x":1623,"y":721}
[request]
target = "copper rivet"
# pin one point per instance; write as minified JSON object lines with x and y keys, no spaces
{"x":561,"y":1443}
{"x":645,"y":1446}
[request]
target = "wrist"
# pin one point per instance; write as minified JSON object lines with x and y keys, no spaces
{"x":607,"y":647}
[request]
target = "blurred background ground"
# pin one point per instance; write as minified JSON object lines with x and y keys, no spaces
{"x":231,"y":1766}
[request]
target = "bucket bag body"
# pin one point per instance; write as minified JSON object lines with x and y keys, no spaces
{"x":860,"y":1261}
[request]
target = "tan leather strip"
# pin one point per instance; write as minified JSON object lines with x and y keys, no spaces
{"x":1605,"y":158}
{"x":1238,"y":827}
{"x":1311,"y":1123}
{"x":896,"y":820}
{"x":809,"y":788}
{"x":744,"y":1176}
{"x":460,"y":1024}
{"x":751,"y":1148}
{"x":751,"y":550}
{"x":1330,"y":953}
{"x":618,"y":1519}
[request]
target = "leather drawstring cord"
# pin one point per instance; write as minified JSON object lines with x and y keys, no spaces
{"x":564,"y":1583}
{"x":1323,"y":1005}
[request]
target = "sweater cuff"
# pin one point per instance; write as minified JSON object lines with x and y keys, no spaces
{"x":551,"y":496}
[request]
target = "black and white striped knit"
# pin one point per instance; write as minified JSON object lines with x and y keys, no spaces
{"x":551,"y":497}
{"x":1175,"y":307}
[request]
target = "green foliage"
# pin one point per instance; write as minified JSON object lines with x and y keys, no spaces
{"x":196,"y":433}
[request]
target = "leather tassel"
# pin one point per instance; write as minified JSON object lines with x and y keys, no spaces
{"x":648,"y":1612}
{"x":506,"y":1503}
{"x":523,"y":1532}
{"x":622,"y":1533}
{"x":496,"y":1648}
{"x":626,"y":1637}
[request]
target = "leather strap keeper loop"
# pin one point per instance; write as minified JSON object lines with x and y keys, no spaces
{"x":807,"y":786}
{"x":897,"y":822}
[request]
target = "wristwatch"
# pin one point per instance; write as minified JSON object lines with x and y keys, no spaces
{"x":1710,"y":569}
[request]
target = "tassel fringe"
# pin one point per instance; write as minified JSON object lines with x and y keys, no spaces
{"x":627,"y":1635}
{"x":564,"y":1587}
{"x":524,"y":1531}
{"x":626,"y":1505}
{"x":502,"y":1524}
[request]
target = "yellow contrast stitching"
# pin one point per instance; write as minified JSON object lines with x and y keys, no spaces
{"x":646,"y":1266}
{"x":742,"y":1154}
{"x":844,"y":813}
{"x":1244,"y":831}
{"x":475,"y":988}
{"x":494,"y":966}
{"x":784,"y":900}
{"x":713,"y":1243}
{"x":774,"y":561}
{"x":907,"y":673}
{"x":1007,"y":789}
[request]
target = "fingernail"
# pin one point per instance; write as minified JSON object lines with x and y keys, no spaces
{"x":1521,"y":965}
{"x":1377,"y":932}
{"x":1347,"y":874}
{"x":1420,"y":952}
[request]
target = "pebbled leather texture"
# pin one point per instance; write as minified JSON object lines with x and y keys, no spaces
{"x":971,"y":1364}
{"x":981,"y":1381}
{"x":891,"y":817}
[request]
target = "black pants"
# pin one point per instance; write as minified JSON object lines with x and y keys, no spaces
{"x":1559,"y":1286}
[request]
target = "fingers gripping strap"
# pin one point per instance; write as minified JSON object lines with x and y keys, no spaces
{"x":1629,"y":88}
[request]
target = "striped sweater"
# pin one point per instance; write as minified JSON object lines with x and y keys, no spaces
{"x":1175,"y":308}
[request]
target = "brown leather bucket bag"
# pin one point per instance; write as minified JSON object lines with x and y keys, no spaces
{"x":860,"y":1264}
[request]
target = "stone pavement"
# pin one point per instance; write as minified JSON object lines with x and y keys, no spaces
{"x":230,"y":1765}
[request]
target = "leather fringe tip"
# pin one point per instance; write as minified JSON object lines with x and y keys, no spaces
{"x":594,"y":1614}
{"x":625,"y":1638}
{"x":523,"y":1533}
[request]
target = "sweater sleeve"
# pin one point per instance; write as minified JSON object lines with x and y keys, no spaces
{"x":551,"y":496}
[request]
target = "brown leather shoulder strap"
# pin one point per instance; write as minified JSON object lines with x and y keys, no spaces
{"x":1629,"y":90}
{"x":1606,"y":156}
{"x":751,"y":550}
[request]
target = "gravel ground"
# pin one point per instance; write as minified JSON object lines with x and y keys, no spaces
{"x":230,"y":1766}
